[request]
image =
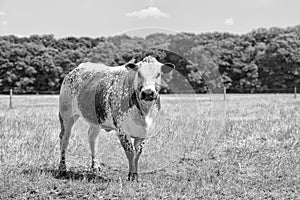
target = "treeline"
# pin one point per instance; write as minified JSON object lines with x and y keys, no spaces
{"x":264,"y":60}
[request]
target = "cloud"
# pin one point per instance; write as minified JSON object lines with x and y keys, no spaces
{"x":4,"y":23}
{"x":229,"y":22}
{"x":261,"y":3}
{"x":149,"y":12}
{"x":2,"y":13}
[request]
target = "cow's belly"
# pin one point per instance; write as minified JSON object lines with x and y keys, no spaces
{"x":108,"y":124}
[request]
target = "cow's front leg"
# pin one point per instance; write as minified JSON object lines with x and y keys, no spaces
{"x":129,"y":151}
{"x":138,"y":142}
{"x":132,"y":153}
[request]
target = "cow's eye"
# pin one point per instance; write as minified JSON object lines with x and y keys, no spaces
{"x":157,"y":75}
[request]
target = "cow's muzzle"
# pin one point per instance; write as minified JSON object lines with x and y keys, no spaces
{"x":148,"y":95}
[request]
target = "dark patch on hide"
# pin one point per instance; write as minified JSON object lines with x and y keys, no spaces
{"x":158,"y":103}
{"x":102,"y":97}
{"x":125,"y":96}
{"x":86,"y":99}
{"x":133,"y":101}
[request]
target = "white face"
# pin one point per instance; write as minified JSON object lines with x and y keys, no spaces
{"x":148,"y":81}
{"x":148,"y":78}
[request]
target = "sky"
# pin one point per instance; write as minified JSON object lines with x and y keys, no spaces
{"x":96,"y":18}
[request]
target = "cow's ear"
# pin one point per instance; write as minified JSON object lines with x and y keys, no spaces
{"x":131,"y":66}
{"x":167,"y":68}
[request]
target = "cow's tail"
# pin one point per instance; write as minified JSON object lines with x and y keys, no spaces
{"x":62,"y":126}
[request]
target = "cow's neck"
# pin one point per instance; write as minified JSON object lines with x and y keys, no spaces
{"x":146,"y":107}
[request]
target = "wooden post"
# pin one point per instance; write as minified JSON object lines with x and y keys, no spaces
{"x":10,"y":98}
{"x":224,"y":91}
{"x":295,"y":92}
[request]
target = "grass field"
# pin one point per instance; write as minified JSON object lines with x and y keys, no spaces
{"x":247,"y":147}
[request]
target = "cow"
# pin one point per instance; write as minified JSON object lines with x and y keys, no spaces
{"x":124,"y":99}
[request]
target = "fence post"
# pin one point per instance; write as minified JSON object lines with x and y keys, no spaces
{"x":10,"y":98}
{"x":224,"y":92}
{"x":295,"y":92}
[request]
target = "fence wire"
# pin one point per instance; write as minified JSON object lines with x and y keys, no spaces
{"x":226,"y":90}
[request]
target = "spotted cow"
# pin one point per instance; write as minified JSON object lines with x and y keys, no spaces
{"x":123,"y":98}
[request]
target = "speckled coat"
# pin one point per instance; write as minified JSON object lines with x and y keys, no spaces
{"x":105,"y":96}
{"x":111,"y":98}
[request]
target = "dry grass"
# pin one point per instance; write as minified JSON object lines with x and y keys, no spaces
{"x":245,"y":148}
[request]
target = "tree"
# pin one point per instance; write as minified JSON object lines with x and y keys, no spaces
{"x":106,"y":52}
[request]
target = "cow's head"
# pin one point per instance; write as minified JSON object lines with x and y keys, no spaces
{"x":148,"y":78}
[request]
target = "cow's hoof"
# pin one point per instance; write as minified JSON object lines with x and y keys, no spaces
{"x":133,"y":177}
{"x":96,"y":167}
{"x":62,"y":169}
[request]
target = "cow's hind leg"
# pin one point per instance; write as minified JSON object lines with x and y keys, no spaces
{"x":93,"y":135}
{"x":64,"y":136}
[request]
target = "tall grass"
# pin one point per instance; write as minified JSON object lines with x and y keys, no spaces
{"x":247,"y":147}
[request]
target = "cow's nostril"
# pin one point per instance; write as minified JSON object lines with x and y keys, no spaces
{"x":150,"y":94}
{"x":143,"y":95}
{"x":147,"y":95}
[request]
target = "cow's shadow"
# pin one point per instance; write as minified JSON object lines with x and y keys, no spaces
{"x":72,"y":174}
